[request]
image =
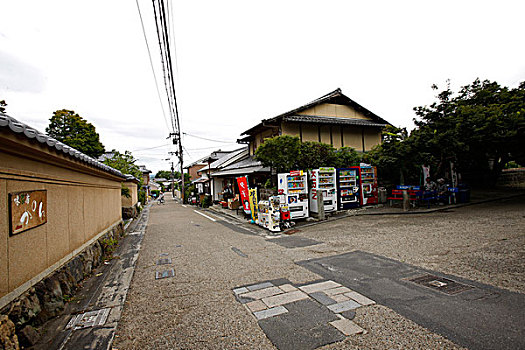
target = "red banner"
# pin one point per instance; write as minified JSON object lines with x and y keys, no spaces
{"x":242,"y":182}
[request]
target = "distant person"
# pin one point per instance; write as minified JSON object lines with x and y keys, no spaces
{"x":429,"y":184}
{"x":442,"y":190}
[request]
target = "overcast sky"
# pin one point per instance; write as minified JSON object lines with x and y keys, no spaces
{"x":242,"y":61}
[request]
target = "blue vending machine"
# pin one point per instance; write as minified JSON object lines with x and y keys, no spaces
{"x":348,"y":188}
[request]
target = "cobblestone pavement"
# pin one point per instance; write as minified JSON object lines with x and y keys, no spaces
{"x":196,"y":308}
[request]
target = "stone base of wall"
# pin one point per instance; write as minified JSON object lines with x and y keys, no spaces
{"x":130,"y":212}
{"x":512,"y":178}
{"x":45,"y":300}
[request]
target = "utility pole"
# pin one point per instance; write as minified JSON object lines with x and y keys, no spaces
{"x":172,"y":181}
{"x":176,"y":140}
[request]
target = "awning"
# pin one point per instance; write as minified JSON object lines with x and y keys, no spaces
{"x":242,"y":171}
{"x":201,"y":179}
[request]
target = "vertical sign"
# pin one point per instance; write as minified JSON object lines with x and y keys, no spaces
{"x":27,"y":210}
{"x":253,"y":203}
{"x":245,"y":197}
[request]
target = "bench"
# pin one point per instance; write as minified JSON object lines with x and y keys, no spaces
{"x":397,"y":195}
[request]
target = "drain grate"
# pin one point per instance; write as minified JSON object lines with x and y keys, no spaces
{"x":164,"y":274}
{"x":164,"y":261}
{"x":441,"y":284}
{"x":89,"y":319}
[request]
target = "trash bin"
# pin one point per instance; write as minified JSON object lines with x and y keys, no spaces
{"x":464,"y":195}
{"x":381,"y":194}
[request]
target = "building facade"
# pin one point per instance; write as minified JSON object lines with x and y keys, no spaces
{"x":334,"y":119}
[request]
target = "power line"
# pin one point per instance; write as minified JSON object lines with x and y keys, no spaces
{"x":151,"y":64}
{"x":203,"y":148}
{"x":145,"y":149}
{"x":203,"y":138}
{"x":163,"y":34}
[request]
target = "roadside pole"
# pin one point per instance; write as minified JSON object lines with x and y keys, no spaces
{"x":320,"y":205}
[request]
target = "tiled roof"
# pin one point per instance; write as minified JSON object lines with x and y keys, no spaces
{"x":13,"y":125}
{"x":331,"y":120}
{"x":245,"y":166}
{"x":335,"y":96}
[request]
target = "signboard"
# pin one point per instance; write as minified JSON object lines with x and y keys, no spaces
{"x":253,"y":203}
{"x":27,"y":210}
{"x":245,"y":197}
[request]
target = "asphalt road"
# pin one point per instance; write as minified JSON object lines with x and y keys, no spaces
{"x":211,"y":256}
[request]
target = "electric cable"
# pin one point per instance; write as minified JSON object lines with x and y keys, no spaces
{"x":151,"y":64}
{"x":203,"y":138}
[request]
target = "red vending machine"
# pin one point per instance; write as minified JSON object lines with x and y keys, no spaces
{"x":348,"y":188}
{"x":368,"y":178}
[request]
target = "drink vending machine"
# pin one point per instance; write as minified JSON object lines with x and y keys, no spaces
{"x":323,"y":179}
{"x":369,"y":193}
{"x":348,"y":188}
{"x":293,"y":191}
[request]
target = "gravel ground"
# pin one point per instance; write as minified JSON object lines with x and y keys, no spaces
{"x":196,"y":308}
{"x":484,"y":242}
{"x":388,"y":330}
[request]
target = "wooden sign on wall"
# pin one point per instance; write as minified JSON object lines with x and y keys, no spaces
{"x":27,"y":209}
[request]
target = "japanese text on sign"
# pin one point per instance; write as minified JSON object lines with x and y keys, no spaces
{"x":27,"y":210}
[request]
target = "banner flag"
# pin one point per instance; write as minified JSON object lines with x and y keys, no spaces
{"x":242,"y":182}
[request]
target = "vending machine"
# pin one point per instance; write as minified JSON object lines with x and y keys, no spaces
{"x":293,"y":191}
{"x":269,"y":215}
{"x":348,"y":188}
{"x":323,"y":179}
{"x":368,"y":184}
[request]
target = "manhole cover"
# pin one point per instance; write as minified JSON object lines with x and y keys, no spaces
{"x":164,"y":261}
{"x":89,"y":319}
{"x":291,"y":232}
{"x":164,"y":274}
{"x":442,"y":284}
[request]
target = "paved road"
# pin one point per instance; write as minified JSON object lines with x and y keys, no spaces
{"x":211,"y":257}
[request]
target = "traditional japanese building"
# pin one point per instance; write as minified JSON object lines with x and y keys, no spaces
{"x":333,"y":119}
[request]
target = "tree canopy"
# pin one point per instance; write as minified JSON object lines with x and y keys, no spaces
{"x":166,"y":174}
{"x":68,"y":127}
{"x":125,"y":163}
{"x":479,"y":129}
{"x":285,"y":153}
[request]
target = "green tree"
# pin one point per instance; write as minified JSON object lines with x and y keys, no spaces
{"x":165,"y":174}
{"x":68,"y":127}
{"x":280,"y":153}
{"x":3,"y":105}
{"x":398,"y":161}
{"x":480,"y":129}
{"x":125,"y":163}
{"x":347,"y":156}
{"x":285,"y":153}
{"x":313,"y":155}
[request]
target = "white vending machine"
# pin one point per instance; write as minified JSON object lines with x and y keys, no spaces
{"x":293,"y":191}
{"x":323,"y":179}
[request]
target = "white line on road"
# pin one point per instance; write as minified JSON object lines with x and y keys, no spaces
{"x":184,"y":206}
{"x":206,"y":216}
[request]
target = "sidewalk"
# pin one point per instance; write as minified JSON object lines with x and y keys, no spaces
{"x":90,"y":318}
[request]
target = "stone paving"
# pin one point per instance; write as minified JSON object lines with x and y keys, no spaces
{"x":270,"y":299}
